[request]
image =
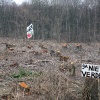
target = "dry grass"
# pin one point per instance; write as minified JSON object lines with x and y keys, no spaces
{"x":47,"y":78}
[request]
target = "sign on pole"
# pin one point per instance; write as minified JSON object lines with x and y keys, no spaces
{"x":30,"y":31}
{"x":90,"y":70}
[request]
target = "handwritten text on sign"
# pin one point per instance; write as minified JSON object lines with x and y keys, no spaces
{"x":90,"y":70}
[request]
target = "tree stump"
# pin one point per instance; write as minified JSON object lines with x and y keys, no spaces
{"x":90,"y":91}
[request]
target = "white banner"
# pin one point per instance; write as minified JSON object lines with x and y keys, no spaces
{"x":90,"y":70}
{"x":30,"y":31}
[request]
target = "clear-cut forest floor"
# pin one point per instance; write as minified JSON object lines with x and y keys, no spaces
{"x":47,"y":77}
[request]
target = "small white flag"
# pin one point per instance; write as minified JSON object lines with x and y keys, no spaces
{"x":30,"y":31}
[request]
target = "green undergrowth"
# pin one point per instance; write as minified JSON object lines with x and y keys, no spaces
{"x":25,"y":73}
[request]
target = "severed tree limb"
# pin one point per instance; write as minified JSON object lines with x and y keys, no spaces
{"x":43,"y":61}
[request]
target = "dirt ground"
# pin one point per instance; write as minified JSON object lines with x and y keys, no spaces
{"x":47,"y":77}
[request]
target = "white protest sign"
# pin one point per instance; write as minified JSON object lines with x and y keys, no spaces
{"x":90,"y":70}
{"x":30,"y":31}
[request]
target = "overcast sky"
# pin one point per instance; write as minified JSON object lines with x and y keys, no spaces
{"x":19,"y":1}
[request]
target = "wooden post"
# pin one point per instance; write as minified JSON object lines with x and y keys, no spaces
{"x":90,"y":91}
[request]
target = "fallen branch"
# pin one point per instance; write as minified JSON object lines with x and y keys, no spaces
{"x":43,"y":61}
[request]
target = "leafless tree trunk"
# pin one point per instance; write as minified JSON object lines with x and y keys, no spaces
{"x":95,"y":20}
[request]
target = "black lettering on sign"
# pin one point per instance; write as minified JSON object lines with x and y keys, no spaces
{"x":30,"y":29}
{"x":84,"y":66}
{"x":92,"y":74}
{"x":96,"y":75}
{"x":93,"y":68}
{"x":96,"y":68}
{"x":88,"y":74}
{"x":89,"y":70}
{"x":99,"y":75}
{"x":83,"y":74}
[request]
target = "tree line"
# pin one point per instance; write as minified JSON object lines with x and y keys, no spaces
{"x":68,"y":20}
